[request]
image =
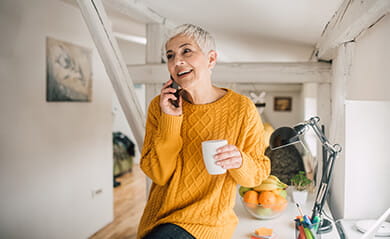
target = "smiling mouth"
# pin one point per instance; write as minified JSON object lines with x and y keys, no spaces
{"x":184,"y":73}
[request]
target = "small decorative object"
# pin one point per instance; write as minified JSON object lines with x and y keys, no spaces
{"x":282,"y":103}
{"x":300,"y":185}
{"x":69,"y":72}
{"x":264,"y":232}
{"x":259,"y":100}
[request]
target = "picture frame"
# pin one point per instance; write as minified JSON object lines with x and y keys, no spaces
{"x":283,"y":104}
{"x":68,"y":72}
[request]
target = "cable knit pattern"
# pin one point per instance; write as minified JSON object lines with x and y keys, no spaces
{"x":182,"y":191}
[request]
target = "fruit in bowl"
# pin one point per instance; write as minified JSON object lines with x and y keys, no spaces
{"x":267,"y":200}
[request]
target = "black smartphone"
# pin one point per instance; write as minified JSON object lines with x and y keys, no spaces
{"x":176,"y":86}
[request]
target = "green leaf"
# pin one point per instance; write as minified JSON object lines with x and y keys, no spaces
{"x":300,"y":181}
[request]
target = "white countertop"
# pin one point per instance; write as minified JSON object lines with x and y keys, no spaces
{"x":283,"y":226}
{"x":350,"y":231}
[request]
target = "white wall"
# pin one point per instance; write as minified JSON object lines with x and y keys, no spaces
{"x":236,"y":48}
{"x":132,"y":53}
{"x":275,"y":118}
{"x":51,"y":154}
{"x":371,"y":66}
{"x":309,"y":102}
{"x":367,"y":159}
{"x":360,"y":188}
{"x":283,"y":118}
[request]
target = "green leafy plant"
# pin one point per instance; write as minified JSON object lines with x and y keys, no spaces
{"x":300,"y":182}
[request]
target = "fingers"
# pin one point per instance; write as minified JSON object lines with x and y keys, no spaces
{"x":167,"y":92}
{"x":179,"y":100}
{"x":166,"y":89}
{"x":228,"y":157}
{"x":167,"y":99}
{"x":168,"y":83}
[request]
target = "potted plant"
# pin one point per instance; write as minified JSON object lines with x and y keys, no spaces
{"x":300,"y":185}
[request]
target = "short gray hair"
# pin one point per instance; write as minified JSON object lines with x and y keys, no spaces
{"x":202,"y":37}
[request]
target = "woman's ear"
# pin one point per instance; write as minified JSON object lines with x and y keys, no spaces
{"x":212,"y":57}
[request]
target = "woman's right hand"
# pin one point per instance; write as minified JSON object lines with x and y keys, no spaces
{"x":166,"y":95}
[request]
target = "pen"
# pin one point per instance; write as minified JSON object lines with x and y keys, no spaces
{"x":305,"y":218}
{"x":316,"y":223}
{"x":308,"y":233}
{"x":301,"y":232}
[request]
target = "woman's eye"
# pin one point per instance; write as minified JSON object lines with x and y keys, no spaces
{"x":186,"y":50}
{"x":169,"y":56}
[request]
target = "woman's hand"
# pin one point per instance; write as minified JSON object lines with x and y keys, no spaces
{"x":166,"y":95}
{"x":228,"y":157}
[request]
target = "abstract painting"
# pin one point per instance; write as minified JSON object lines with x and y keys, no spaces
{"x":69,"y":71}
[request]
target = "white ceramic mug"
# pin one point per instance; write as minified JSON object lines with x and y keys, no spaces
{"x":209,"y":149}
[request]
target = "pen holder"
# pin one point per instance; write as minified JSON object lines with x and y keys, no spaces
{"x":305,"y":232}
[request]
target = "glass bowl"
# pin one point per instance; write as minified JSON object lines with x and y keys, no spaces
{"x":264,"y":212}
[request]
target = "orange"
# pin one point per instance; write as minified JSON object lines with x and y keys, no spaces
{"x":267,"y":199}
{"x":280,"y":204}
{"x":251,"y":197}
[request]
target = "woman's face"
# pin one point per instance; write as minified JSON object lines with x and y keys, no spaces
{"x":187,"y":64}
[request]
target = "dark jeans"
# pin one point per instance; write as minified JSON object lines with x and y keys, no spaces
{"x":169,"y":231}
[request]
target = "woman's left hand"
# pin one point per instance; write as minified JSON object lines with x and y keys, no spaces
{"x":228,"y":157}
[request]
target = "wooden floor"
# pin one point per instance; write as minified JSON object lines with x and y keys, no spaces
{"x":129,"y":202}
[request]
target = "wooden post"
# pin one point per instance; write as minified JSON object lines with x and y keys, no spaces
{"x":155,"y":37}
{"x":154,"y":41}
{"x":341,"y":75}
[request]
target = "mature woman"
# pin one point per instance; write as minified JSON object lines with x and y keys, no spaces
{"x":185,"y":201}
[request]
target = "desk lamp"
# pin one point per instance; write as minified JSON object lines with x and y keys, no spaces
{"x":286,"y":136}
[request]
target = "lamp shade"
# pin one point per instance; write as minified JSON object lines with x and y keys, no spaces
{"x":283,"y":136}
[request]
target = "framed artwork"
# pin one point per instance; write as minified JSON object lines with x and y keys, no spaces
{"x":68,"y":71}
{"x":282,"y":104}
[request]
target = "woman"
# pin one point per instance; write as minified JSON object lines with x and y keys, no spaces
{"x":185,"y":201}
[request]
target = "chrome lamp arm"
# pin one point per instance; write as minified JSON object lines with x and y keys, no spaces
{"x":313,"y":123}
{"x":285,"y":136}
{"x":330,"y":153}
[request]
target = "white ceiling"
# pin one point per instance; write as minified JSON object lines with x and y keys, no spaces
{"x":246,"y":30}
{"x":299,"y":21}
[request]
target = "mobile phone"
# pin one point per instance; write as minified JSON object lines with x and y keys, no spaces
{"x":176,"y":86}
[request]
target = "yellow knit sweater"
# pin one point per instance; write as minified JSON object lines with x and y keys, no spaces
{"x":182,"y":191}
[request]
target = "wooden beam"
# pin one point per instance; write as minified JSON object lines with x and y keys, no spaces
{"x":289,"y":73}
{"x":256,"y":87}
{"x":100,"y":29}
{"x":137,"y":10}
{"x":351,"y":20}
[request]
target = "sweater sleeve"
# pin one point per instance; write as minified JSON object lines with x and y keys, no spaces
{"x":255,"y":165}
{"x":162,"y":144}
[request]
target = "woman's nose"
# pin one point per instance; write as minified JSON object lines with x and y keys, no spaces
{"x":179,"y":60}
